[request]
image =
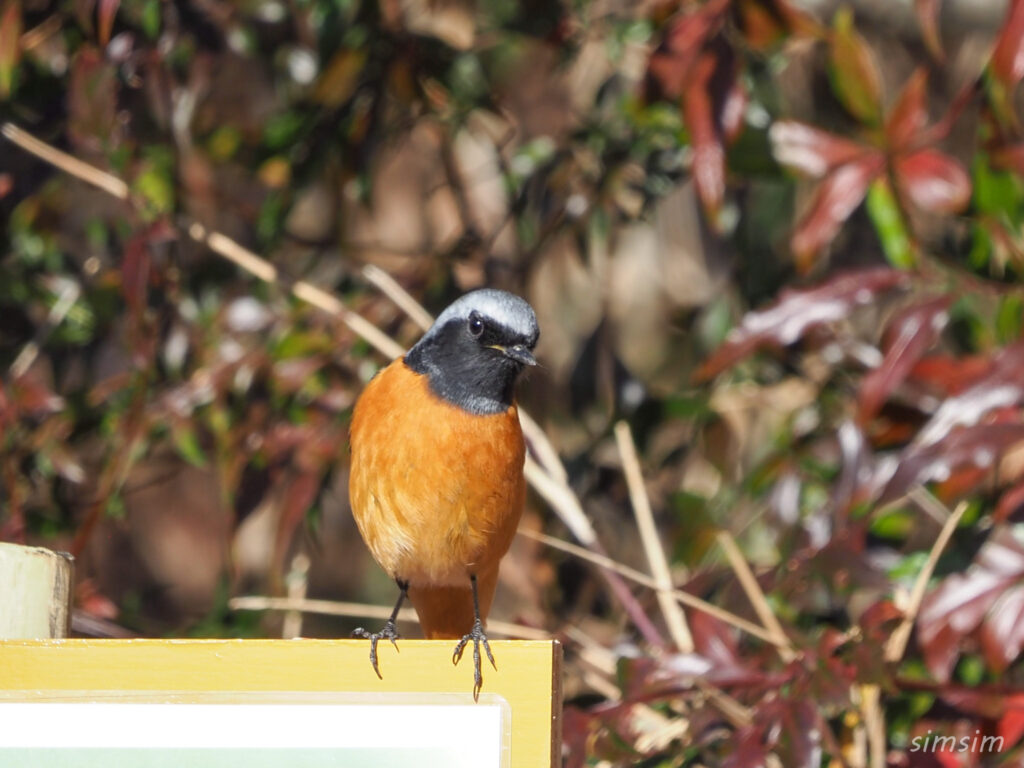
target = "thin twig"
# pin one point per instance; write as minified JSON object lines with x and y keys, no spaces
{"x":65,"y":162}
{"x":691,"y":601}
{"x":874,"y":724}
{"x":735,"y":712}
{"x":56,"y":316}
{"x":928,"y":504}
{"x":562,"y":499}
{"x":897,"y":643}
{"x":755,"y":595}
{"x":307,"y":292}
{"x":390,"y":287}
{"x":363,"y":610}
{"x":297,"y":582}
{"x":670,"y":608}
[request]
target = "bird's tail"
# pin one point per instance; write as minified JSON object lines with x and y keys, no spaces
{"x":447,"y":612}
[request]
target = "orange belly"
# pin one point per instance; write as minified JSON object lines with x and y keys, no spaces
{"x":436,"y":492}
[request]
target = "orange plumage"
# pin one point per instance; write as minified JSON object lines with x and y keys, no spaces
{"x":436,"y":482}
{"x":437,"y":493}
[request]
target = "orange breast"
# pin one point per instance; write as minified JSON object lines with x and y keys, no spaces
{"x":436,"y":492}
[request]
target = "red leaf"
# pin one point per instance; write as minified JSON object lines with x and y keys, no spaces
{"x":29,"y":394}
{"x":750,"y":750}
{"x":106,"y":13}
{"x":970,"y":448}
{"x":89,"y":599}
{"x":912,"y":333}
{"x":670,"y":64}
{"x":837,"y":197}
{"x":1009,"y":158}
{"x":708,"y":155}
{"x":928,"y":17}
{"x":1011,"y":725}
{"x":8,"y":413}
{"x":92,"y":100}
{"x":10,"y":45}
{"x":960,"y":603}
{"x":1001,"y":386}
{"x":950,"y":375}
{"x":714,"y":640}
{"x":810,"y":150}
{"x":797,"y":311}
{"x":1008,"y":57}
{"x":909,"y":114}
{"x":856,"y":78}
{"x":941,"y":651}
{"x":1009,"y":503}
{"x":799,"y":21}
{"x":1002,"y":633}
{"x":760,"y":27}
{"x":933,"y":181}
{"x":135,"y":272}
{"x":732,"y":111}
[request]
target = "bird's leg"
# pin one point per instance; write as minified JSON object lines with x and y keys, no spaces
{"x":476,"y":634}
{"x":388,"y":631}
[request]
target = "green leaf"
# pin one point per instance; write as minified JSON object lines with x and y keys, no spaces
{"x":187,"y":443}
{"x":971,"y":670}
{"x":889,"y":224}
{"x":1008,"y":318}
{"x":854,"y":71}
{"x":10,"y":45}
{"x":283,"y":129}
{"x":896,"y":524}
{"x":151,"y":18}
{"x":908,"y":568}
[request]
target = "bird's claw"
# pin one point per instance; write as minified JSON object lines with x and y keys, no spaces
{"x":387,"y":632}
{"x":477,"y":635}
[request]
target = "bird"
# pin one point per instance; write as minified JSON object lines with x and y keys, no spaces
{"x":436,"y":481}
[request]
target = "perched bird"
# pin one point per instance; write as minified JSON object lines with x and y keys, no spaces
{"x":436,"y":483}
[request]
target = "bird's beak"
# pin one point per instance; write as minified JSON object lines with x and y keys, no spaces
{"x":519,"y":353}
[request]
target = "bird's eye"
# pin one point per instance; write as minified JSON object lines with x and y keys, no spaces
{"x":476,"y":325}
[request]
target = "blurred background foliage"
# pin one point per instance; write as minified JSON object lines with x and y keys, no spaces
{"x":782,"y":240}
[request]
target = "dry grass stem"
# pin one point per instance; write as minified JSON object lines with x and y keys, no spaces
{"x":756,"y":595}
{"x":897,"y":642}
{"x":366,"y":611}
{"x":670,"y":608}
{"x":297,"y":581}
{"x":874,"y":724}
{"x":735,"y":712}
{"x":561,"y":499}
{"x":58,"y":312}
{"x":391,"y":288}
{"x":930,"y":505}
{"x":65,"y":162}
{"x":691,"y":601}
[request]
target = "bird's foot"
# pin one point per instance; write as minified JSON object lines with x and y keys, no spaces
{"x":387,"y":632}
{"x":476,"y":634}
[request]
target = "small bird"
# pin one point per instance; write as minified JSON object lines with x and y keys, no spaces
{"x":436,"y":483}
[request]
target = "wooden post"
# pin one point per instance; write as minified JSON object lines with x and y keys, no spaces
{"x":35,"y":593}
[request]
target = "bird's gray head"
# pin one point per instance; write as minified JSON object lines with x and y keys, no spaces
{"x":476,"y":349}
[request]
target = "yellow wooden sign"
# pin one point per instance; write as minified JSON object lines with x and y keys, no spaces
{"x":254,"y":703}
